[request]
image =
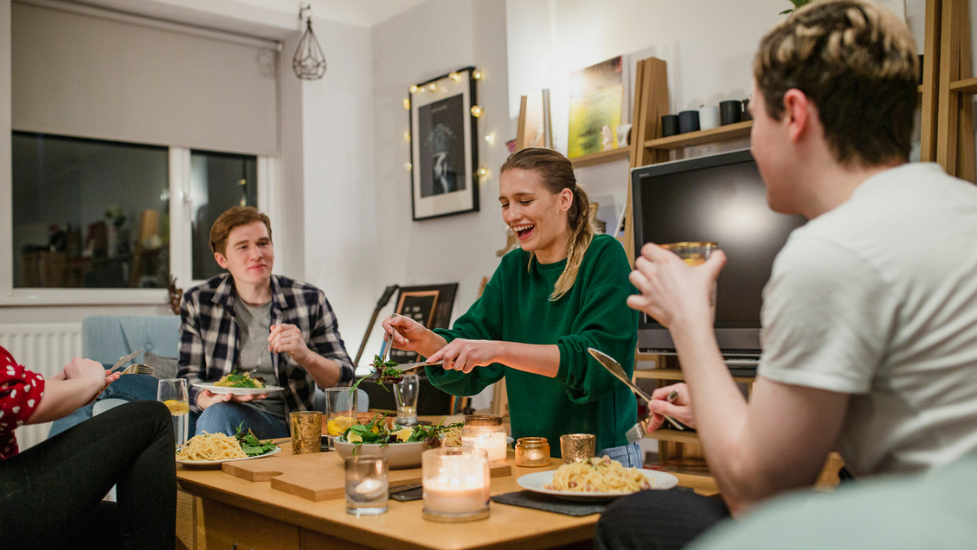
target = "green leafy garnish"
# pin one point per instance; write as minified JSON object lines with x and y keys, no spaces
{"x":250,"y":443}
{"x":383,"y":371}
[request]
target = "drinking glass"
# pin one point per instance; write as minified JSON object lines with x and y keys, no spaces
{"x":695,"y":253}
{"x":340,"y":411}
{"x":305,"y":428}
{"x":577,"y":447}
{"x":367,"y":488}
{"x":173,"y":393}
{"x":405,"y":395}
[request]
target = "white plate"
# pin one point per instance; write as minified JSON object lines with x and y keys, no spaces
{"x":217,"y":463}
{"x":537,"y":483}
{"x":237,"y":391}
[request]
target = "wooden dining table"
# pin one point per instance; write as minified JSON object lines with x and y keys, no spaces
{"x":224,"y":510}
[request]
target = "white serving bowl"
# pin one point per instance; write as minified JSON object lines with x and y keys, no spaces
{"x":399,"y":455}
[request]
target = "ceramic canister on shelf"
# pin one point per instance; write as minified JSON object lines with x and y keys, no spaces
{"x":688,"y":121}
{"x":669,"y":125}
{"x":708,"y":117}
{"x":730,"y":112}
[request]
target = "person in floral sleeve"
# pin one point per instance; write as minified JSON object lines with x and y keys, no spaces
{"x":51,"y":494}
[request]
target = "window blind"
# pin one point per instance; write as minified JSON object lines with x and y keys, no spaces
{"x":91,"y":73}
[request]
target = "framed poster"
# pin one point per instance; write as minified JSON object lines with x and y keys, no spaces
{"x":597,"y":100}
{"x":444,"y":147}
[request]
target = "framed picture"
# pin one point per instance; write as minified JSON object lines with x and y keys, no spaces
{"x":444,"y":146}
{"x":597,"y":106}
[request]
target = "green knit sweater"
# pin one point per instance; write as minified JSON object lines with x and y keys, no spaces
{"x":515,"y":307}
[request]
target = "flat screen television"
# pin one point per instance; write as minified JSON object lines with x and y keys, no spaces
{"x":718,"y":198}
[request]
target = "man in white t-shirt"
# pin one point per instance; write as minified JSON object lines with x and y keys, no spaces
{"x":870,"y":314}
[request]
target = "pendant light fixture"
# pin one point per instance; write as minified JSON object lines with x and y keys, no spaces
{"x":309,"y":63}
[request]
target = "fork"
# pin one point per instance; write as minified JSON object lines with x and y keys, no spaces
{"x":138,"y":368}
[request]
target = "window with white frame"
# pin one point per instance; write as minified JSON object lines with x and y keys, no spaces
{"x":96,"y":214}
{"x":123,"y":157}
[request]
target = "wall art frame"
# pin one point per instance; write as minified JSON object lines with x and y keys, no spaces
{"x":444,"y":146}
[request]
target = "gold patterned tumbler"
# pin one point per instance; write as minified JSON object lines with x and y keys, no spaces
{"x":577,"y":447}
{"x":306,"y":428}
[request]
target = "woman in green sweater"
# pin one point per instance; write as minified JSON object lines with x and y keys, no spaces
{"x":562,"y":292}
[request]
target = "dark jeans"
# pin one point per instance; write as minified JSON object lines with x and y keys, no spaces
{"x":657,"y":520}
{"x":51,"y":494}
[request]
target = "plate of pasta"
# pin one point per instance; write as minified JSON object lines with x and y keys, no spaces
{"x":212,"y":450}
{"x":595,"y":479}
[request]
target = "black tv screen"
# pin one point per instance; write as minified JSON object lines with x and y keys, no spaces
{"x":718,"y":198}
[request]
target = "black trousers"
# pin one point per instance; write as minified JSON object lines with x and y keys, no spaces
{"x":657,"y":520}
{"x":51,"y":494}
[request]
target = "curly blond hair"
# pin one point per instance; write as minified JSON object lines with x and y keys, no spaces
{"x":857,"y":63}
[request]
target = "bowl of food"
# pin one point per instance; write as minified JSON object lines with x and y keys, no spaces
{"x":399,"y":455}
{"x":380,"y":436}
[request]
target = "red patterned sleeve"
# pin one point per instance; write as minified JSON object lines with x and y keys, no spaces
{"x":20,"y":394}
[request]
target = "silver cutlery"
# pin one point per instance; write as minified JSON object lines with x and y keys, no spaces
{"x":614,"y":368}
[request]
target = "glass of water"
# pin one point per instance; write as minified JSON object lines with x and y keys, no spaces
{"x":173,"y":393}
{"x":405,"y":395}
{"x":366,"y":485}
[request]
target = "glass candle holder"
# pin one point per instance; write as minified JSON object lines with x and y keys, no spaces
{"x":456,"y":484}
{"x":366,"y":485}
{"x":532,"y":452}
{"x":485,"y":432}
{"x":577,"y":447}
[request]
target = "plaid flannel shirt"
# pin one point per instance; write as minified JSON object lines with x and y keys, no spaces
{"x":209,"y":336}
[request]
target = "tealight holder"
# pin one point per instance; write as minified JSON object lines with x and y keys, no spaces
{"x":456,"y":484}
{"x":485,"y":432}
{"x":532,"y":452}
{"x":577,"y":447}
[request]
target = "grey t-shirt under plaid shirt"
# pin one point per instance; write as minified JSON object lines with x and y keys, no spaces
{"x":210,"y":336}
{"x":255,"y":325}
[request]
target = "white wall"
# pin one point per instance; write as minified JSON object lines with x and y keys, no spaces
{"x":340,"y":231}
{"x":426,"y":42}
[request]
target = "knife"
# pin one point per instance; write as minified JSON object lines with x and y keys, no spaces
{"x":614,"y":368}
{"x":125,"y":359}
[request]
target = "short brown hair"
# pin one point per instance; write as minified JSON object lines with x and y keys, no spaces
{"x":233,"y":217}
{"x":857,"y":63}
{"x":557,"y":173}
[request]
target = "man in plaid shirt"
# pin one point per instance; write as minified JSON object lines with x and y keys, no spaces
{"x":250,"y":320}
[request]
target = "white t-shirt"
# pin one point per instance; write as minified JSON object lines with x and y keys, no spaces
{"x":878,"y":298}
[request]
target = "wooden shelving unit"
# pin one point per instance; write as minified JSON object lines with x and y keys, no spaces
{"x":600,"y":157}
{"x":729,"y":132}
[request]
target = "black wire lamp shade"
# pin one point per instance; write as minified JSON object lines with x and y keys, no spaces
{"x":309,"y":63}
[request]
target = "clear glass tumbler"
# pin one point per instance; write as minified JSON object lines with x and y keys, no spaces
{"x":367,"y":488}
{"x":340,"y":411}
{"x":695,"y":253}
{"x":405,"y":395}
{"x":173,"y":393}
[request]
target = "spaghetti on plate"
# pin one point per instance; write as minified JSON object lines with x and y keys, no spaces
{"x":210,"y":447}
{"x":598,"y":475}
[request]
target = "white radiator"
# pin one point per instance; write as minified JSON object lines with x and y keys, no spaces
{"x":44,"y":348}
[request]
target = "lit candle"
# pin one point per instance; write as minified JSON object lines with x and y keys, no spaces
{"x":491,"y":443}
{"x":456,"y":484}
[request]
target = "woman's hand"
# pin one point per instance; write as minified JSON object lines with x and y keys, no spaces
{"x":465,"y":355}
{"x":679,"y":409}
{"x":408,"y":334}
{"x":671,"y":291}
